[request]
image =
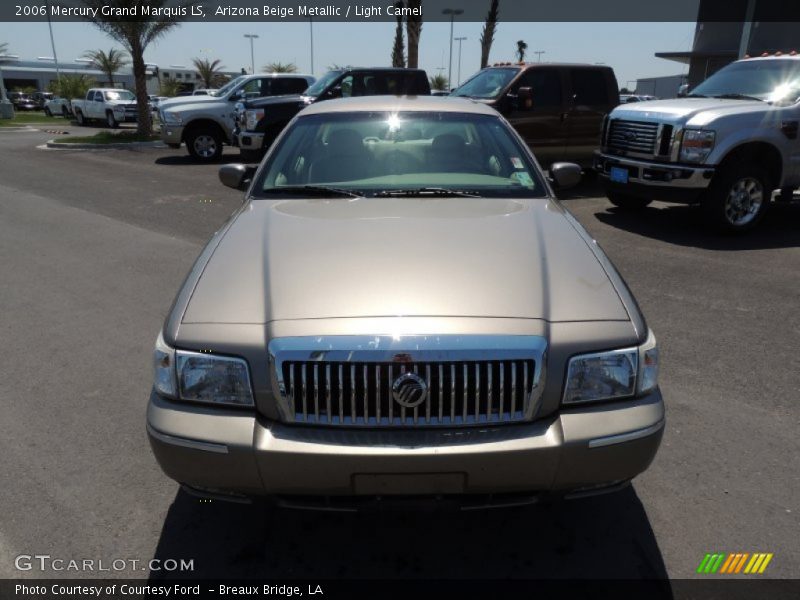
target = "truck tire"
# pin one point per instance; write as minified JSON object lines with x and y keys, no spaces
{"x":204,"y":143}
{"x":79,"y":117}
{"x":626,"y":202}
{"x":47,"y":112}
{"x":737,"y":198}
{"x":110,"y":120}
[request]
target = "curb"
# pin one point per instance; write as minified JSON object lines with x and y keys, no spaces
{"x":79,"y":146}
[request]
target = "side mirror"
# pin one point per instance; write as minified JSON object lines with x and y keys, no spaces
{"x":236,"y":96}
{"x":564,"y":175}
{"x":236,"y":176}
{"x":525,"y":98}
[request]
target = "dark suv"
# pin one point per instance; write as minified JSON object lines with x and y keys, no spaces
{"x":260,"y":121}
{"x":558,"y":109}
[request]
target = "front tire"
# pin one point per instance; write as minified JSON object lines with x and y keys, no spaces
{"x":80,"y":118}
{"x":204,"y":144}
{"x":737,"y":198}
{"x":626,"y":202}
{"x":111,"y":121}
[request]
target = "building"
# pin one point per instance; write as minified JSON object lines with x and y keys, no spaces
{"x":751,"y":28}
{"x":41,"y":73}
{"x":666,"y":86}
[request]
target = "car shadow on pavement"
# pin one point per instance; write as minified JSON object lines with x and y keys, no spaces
{"x":184,"y":160}
{"x":685,"y":226}
{"x":601,"y":537}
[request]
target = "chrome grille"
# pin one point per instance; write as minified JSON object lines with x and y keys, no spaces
{"x":632,"y":136}
{"x":343,"y":387}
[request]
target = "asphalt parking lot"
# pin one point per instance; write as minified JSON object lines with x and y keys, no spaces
{"x":93,"y":247}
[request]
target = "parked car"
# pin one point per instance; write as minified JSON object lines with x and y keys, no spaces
{"x":402,"y":307}
{"x":112,"y":105}
{"x":41,"y":98}
{"x":627,"y":98}
{"x":155,"y":102}
{"x":558,"y":109}
{"x":205,"y":92}
{"x":727,"y":145}
{"x":261,"y":121}
{"x":58,"y":106}
{"x":22,"y":101}
{"x":205,"y":123}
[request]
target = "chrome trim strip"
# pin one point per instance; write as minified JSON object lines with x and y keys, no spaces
{"x":359,"y":351}
{"x":621,"y":438}
{"x":187,"y":443}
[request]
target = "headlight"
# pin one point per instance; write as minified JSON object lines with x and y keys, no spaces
{"x":252,"y":117}
{"x":171,"y":118}
{"x":164,"y":369}
{"x":612,"y":375}
{"x":201,"y":377}
{"x":696,"y":145}
{"x":213,"y":379}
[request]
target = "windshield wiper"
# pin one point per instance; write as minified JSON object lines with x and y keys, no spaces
{"x":737,"y":97}
{"x":427,"y":191}
{"x":315,"y":190}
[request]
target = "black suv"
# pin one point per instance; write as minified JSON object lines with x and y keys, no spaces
{"x":260,"y":121}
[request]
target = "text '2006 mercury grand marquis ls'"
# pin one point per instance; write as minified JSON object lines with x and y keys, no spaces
{"x":402,"y":308}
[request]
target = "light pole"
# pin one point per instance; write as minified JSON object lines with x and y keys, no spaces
{"x":459,"y":40}
{"x":452,"y":12}
{"x":53,"y":44}
{"x":252,"y":37}
{"x":538,"y":54}
{"x":311,"y":36}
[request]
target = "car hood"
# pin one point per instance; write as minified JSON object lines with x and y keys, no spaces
{"x":183,"y":101}
{"x":306,"y":259}
{"x":687,"y":111}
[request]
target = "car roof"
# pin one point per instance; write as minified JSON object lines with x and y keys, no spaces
{"x":423,"y":103}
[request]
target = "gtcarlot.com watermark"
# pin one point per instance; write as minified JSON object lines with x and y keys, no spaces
{"x":46,"y":562}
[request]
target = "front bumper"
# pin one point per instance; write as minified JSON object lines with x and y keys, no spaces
{"x":248,"y":140}
{"x":171,"y":134}
{"x":667,"y":181}
{"x":229,"y":451}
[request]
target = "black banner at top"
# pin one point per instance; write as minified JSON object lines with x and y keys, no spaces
{"x":366,"y":11}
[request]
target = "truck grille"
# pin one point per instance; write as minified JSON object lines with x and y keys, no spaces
{"x":332,"y":390}
{"x":632,"y":136}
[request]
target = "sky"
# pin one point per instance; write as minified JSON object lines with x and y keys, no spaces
{"x":627,"y":47}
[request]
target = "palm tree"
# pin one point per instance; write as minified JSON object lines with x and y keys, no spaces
{"x":108,"y":62}
{"x":521,"y":48}
{"x":169,"y":87}
{"x":279,"y":67}
{"x":487,"y":35}
{"x":398,"y":50}
{"x":72,"y":85}
{"x":438,"y":82}
{"x":135,"y":37}
{"x":413,"y":33}
{"x":3,"y":50}
{"x":209,"y":71}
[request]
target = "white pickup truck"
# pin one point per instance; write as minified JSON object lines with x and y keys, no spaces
{"x":728,"y":145}
{"x":112,"y":105}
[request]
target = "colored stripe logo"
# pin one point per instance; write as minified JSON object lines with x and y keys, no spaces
{"x":735,"y":563}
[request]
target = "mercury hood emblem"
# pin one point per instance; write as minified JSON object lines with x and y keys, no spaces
{"x":409,"y":390}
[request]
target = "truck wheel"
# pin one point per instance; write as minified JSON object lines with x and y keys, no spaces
{"x":79,"y":118}
{"x":204,"y":144}
{"x":626,"y":202}
{"x":47,"y":112}
{"x":110,"y":120}
{"x":737,"y":198}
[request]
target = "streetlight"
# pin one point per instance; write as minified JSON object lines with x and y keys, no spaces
{"x":311,"y":34}
{"x":538,"y":54}
{"x":252,"y":37}
{"x":459,"y":40}
{"x":452,"y":12}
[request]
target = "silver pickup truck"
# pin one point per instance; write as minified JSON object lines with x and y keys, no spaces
{"x":728,"y":145}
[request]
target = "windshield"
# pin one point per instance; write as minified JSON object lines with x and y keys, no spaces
{"x":223,"y":91}
{"x":119,"y":95}
{"x":769,"y":80}
{"x":372,"y":154}
{"x":488,"y":83}
{"x":321,"y":83}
